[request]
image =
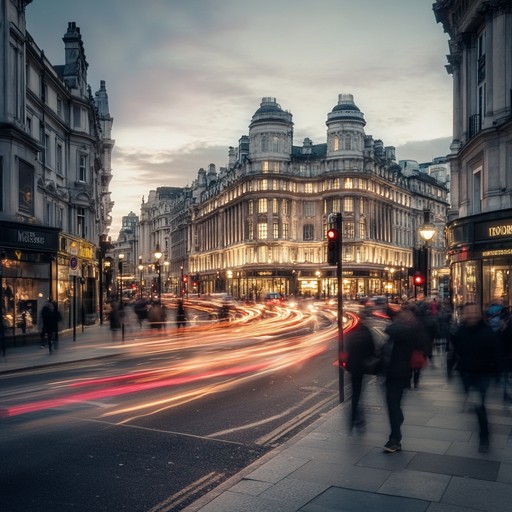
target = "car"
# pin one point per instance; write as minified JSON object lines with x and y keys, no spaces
{"x":273,"y":299}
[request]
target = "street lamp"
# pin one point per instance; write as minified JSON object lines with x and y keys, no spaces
{"x":182,"y":284}
{"x":120,"y":268}
{"x":158,"y":255}
{"x":427,"y":231}
{"x":141,"y":268}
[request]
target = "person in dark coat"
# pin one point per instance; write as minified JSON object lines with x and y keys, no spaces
{"x":51,"y":318}
{"x":406,"y":334}
{"x":181,"y":315}
{"x":360,"y":351}
{"x":474,"y":344}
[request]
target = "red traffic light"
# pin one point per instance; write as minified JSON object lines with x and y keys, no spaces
{"x":332,"y":234}
{"x":418,"y":280}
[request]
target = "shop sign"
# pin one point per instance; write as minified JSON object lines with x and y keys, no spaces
{"x":493,"y":230}
{"x":73,"y":266}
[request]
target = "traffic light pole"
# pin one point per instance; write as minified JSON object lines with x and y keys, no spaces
{"x":335,"y":221}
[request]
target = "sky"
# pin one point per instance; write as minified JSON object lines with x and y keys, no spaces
{"x":184,"y":77}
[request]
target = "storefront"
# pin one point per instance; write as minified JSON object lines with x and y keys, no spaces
{"x":480,"y":258}
{"x":28,"y":274}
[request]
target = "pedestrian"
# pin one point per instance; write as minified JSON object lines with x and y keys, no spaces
{"x":474,"y":344}
{"x":50,"y":317}
{"x":114,"y":317}
{"x":181,"y":315}
{"x":156,"y":316}
{"x":360,"y":359}
{"x":405,"y":335}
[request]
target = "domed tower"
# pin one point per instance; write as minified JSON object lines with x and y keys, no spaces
{"x":270,"y":137}
{"x":345,"y":133}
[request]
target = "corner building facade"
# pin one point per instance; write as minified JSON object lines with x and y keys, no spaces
{"x":479,"y":232}
{"x":260,"y":224}
{"x":55,"y":172}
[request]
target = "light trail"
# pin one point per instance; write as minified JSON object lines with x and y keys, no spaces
{"x":218,"y":360}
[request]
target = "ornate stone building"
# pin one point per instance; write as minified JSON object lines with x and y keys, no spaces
{"x":260,"y":224}
{"x":55,"y":170}
{"x":479,"y":234}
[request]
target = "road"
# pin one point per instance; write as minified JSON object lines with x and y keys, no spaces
{"x":155,"y":430}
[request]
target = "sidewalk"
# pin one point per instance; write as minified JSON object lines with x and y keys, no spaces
{"x":327,"y":469}
{"x":93,"y":342}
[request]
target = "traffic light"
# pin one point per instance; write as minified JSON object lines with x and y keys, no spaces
{"x":418,"y":279}
{"x":332,"y":246}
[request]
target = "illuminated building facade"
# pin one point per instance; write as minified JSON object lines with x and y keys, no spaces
{"x":479,"y":234}
{"x":260,"y":224}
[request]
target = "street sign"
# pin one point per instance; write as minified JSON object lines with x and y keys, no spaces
{"x":73,"y":266}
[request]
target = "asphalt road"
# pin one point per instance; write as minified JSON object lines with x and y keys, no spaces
{"x":156,"y":430}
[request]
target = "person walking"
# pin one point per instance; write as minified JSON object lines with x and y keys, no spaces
{"x":181,"y":315}
{"x":360,"y":359}
{"x":405,"y":335}
{"x":474,"y":344}
{"x":50,"y":317}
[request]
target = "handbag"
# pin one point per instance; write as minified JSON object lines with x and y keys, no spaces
{"x":418,"y":359}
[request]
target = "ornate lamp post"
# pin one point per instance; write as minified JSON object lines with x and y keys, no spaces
{"x":427,"y":231}
{"x":166,"y":267}
{"x":158,"y":255}
{"x":141,"y":268}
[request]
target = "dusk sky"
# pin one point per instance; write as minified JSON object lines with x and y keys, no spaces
{"x":184,"y":77}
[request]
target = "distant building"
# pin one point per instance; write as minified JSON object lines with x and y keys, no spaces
{"x":55,"y":170}
{"x":260,"y":224}
{"x":479,"y":234}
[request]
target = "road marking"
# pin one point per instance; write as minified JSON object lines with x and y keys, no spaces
{"x":290,"y":410}
{"x":176,"y":499}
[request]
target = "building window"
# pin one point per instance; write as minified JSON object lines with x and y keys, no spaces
{"x":77,"y":113}
{"x":264,"y":144}
{"x":308,"y":188}
{"x":26,"y":188}
{"x":348,"y":183}
{"x":60,"y":215}
{"x":275,"y":144}
{"x":59,"y":106}
{"x":348,"y":204}
{"x":286,"y":230}
{"x":47,"y":150}
{"x":362,"y":229}
{"x":285,"y":207}
{"x":80,"y":222}
{"x":265,"y":167}
{"x":262,"y":230}
{"x":275,"y":206}
{"x":308,"y":232}
{"x":348,"y":230}
{"x":262,"y":205}
{"x":477,"y":191}
{"x":275,"y":230}
{"x":309,"y":209}
{"x":335,"y":143}
{"x":82,"y":168}
{"x":251,"y":207}
{"x":58,"y":158}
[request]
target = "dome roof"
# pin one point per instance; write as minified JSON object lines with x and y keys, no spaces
{"x":271,"y":111}
{"x":346,"y":110}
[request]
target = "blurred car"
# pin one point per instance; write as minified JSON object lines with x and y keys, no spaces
{"x":377,"y":304}
{"x":273,"y":299}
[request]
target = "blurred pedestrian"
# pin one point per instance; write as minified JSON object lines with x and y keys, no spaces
{"x":181,"y":315}
{"x":360,"y":359}
{"x":156,"y":316}
{"x":405,"y":335}
{"x":474,"y":344}
{"x":50,"y":317}
{"x":115,"y":317}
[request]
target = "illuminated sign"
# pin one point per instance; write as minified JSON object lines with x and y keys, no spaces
{"x":494,"y":229}
{"x":497,"y":252}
